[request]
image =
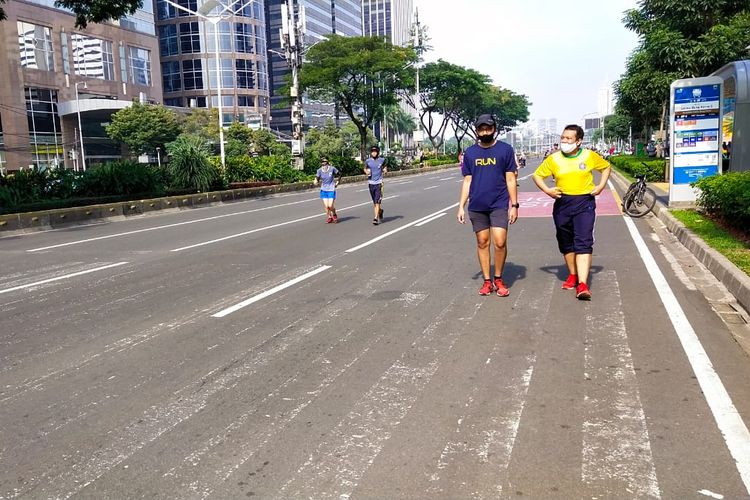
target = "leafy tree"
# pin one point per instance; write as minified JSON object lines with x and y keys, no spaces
{"x":203,"y":122}
{"x":444,"y":89}
{"x":360,"y":75}
{"x":506,"y":106}
{"x":189,"y":164}
{"x":144,"y":127}
{"x":616,"y":126}
{"x":94,"y":11}
{"x":678,"y":39}
{"x":398,"y":120}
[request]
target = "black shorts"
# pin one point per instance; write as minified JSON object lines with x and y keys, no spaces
{"x":574,"y":218}
{"x":485,"y":220}
{"x":376,"y":193}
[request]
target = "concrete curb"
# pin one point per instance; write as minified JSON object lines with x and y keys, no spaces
{"x":27,"y":222}
{"x":732,"y":277}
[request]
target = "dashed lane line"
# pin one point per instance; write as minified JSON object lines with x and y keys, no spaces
{"x":406,"y":226}
{"x":268,"y":293}
{"x":58,"y":278}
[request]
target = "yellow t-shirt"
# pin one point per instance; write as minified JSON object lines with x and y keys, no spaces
{"x":572,"y":173}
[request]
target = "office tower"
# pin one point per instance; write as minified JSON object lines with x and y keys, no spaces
{"x":322,"y":18}
{"x":109,"y":64}
{"x":388,"y":18}
{"x":189,"y":64}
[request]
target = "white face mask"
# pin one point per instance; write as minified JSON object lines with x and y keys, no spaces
{"x":567,"y":147}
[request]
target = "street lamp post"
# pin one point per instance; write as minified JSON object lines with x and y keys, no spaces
{"x":207,"y":7}
{"x":80,"y":129}
{"x":158,"y":156}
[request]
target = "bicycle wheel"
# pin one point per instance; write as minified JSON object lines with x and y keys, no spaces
{"x":640,"y":202}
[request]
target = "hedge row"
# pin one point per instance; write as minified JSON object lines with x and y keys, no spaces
{"x":634,"y":165}
{"x":726,"y":197}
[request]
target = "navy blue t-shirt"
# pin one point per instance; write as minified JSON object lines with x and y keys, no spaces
{"x":487,"y":168}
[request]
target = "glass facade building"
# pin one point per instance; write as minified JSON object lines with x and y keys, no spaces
{"x":109,"y":64}
{"x":388,"y":18}
{"x":187,"y":49}
{"x":322,"y":18}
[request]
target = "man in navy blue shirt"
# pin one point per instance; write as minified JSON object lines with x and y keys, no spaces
{"x":375,"y":168}
{"x":489,"y":186}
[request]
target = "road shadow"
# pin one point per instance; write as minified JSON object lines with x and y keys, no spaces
{"x":511,"y":273}
{"x":561,"y":271}
{"x":349,"y":217}
{"x":392,"y":218}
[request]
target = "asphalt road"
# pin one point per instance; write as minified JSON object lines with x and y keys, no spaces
{"x":251,"y":350}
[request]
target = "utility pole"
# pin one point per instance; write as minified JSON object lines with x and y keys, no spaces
{"x":418,"y":47}
{"x":292,"y":43}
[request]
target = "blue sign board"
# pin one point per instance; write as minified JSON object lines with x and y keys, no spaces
{"x":696,"y":134}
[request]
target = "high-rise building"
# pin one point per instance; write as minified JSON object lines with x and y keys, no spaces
{"x":605,"y":100}
{"x":189,"y":64}
{"x":388,"y":18}
{"x":108,"y":64}
{"x":322,"y":18}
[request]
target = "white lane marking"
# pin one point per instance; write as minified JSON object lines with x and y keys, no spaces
{"x":362,"y":190}
{"x":529,"y":175}
{"x":428,"y":188}
{"x":265,"y":228}
{"x":711,"y":494}
{"x":268,"y":293}
{"x":447,"y":178}
{"x":487,"y":449}
{"x":430,"y":220}
{"x":406,"y":226}
{"x":733,"y":429}
{"x":58,"y":278}
{"x":335,"y":468}
{"x":397,"y":183}
{"x":127,"y":233}
{"x":616,"y":452}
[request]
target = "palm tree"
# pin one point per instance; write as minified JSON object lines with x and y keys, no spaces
{"x":398,"y":122}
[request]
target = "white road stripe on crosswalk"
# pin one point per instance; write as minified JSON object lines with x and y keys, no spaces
{"x":616,"y":448}
{"x":487,"y":450}
{"x":728,"y":419}
{"x":336,"y":467}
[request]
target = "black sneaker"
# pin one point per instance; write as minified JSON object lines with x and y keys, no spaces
{"x":375,"y":222}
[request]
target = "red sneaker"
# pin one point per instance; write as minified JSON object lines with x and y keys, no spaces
{"x":329,"y":220}
{"x":583,"y":292}
{"x":486,"y":288}
{"x":570,"y":283}
{"x":335,"y":219}
{"x":502,"y":290}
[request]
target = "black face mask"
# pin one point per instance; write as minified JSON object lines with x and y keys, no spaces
{"x":486,"y":139}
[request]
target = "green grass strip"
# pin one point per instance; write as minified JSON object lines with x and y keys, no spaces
{"x":716,"y":237}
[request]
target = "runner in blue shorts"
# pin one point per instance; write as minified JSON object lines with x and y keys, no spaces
{"x":329,"y":177}
{"x":375,"y":168}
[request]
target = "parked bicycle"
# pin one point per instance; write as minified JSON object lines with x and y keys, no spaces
{"x":639,"y":199}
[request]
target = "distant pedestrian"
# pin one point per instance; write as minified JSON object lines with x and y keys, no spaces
{"x":329,"y":177}
{"x":574,"y":210}
{"x":374,"y":169}
{"x":490,"y":187}
{"x":460,"y":158}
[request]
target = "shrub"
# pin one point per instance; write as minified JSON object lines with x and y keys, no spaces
{"x":189,"y":164}
{"x":121,"y":178}
{"x":262,"y":168}
{"x":726,"y":197}
{"x":634,"y":165}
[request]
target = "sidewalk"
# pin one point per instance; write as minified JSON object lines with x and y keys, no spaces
{"x":734,"y":279}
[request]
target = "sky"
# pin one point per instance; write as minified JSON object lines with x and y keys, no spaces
{"x":557,"y":53}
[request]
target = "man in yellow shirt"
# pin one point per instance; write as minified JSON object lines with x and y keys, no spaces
{"x":574,"y":211}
